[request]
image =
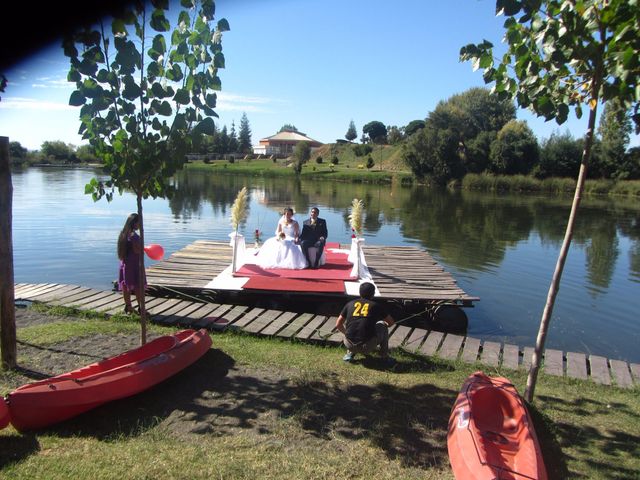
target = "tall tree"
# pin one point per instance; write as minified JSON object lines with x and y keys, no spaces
{"x":376,"y":132}
{"x":564,"y":54}
{"x":394,"y":135}
{"x":301,"y":155}
{"x":459,"y":133}
{"x":515,"y":149}
{"x":287,"y":127}
{"x":16,"y":150}
{"x":244,"y":137}
{"x":233,"y":138}
{"x":351,"y":134}
{"x":413,"y":126}
{"x":142,"y":98}
{"x":614,"y":129}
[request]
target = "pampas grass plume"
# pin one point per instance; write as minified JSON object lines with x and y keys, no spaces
{"x":239,"y":209}
{"x":355,"y":219}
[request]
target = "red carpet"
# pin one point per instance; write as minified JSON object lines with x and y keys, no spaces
{"x":336,"y":268}
{"x":294,"y":284}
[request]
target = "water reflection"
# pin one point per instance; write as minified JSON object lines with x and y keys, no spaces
{"x":502,"y":248}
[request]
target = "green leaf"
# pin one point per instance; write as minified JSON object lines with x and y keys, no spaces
{"x":162,"y":4}
{"x":208,"y":8}
{"x":179,"y":122}
{"x":210,"y":100}
{"x":87,"y":67}
{"x":131,"y":89}
{"x":73,"y":75}
{"x":209,"y":111}
{"x":181,"y":96}
{"x":159,"y":44}
{"x":215,"y":83}
{"x":205,"y":127}
{"x":153,"y":70}
{"x":77,"y":99}
{"x":128,"y":57}
{"x":118,"y":26}
{"x":218,"y":60}
{"x":159,"y":22}
{"x":223,"y":25}
{"x":159,"y":91}
{"x":164,"y":109}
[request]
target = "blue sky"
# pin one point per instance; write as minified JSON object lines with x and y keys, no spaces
{"x":316,"y":64}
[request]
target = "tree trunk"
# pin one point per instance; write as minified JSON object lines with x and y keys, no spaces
{"x":7,"y":300}
{"x":143,"y":278}
{"x":562,"y":257}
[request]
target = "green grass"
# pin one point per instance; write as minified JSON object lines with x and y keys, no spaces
{"x":387,"y":166}
{"x":319,"y":418}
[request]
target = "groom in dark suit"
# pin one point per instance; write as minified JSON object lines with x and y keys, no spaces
{"x":314,"y":234}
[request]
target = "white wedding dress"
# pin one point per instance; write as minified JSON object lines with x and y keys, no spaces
{"x":282,"y":253}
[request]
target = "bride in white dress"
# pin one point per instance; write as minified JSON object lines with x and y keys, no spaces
{"x":283,"y":251}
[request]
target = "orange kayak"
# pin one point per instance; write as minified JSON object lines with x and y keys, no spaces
{"x":491,"y":435}
{"x":40,"y":404}
{"x":4,"y":414}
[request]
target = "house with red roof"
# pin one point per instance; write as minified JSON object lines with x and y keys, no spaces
{"x":282,"y":143}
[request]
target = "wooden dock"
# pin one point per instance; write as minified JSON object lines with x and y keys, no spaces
{"x":402,"y":274}
{"x":320,"y":328}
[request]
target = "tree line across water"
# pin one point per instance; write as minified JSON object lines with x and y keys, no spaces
{"x":473,"y":132}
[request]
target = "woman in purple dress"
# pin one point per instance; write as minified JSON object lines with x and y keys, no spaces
{"x":129,"y":251}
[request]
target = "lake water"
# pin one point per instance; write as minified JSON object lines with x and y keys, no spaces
{"x":501,"y":248}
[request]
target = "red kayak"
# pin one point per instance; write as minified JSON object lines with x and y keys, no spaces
{"x":491,"y":435}
{"x":39,"y":404}
{"x":4,"y":414}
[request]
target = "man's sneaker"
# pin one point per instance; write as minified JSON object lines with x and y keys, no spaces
{"x":348,"y":357}
{"x":389,"y":362}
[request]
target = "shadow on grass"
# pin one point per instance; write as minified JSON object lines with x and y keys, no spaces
{"x":554,"y":461}
{"x":590,"y":441}
{"x":216,"y":396}
{"x":14,"y":448}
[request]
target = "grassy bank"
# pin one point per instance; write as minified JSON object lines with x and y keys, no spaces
{"x":266,"y":408}
{"x":387,"y":166}
{"x":353,"y":169}
{"x":523,"y":183}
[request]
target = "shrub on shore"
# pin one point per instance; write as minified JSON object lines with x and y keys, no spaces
{"x":525,"y":183}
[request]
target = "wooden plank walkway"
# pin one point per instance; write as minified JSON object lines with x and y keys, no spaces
{"x":320,"y":328}
{"x":400,"y":273}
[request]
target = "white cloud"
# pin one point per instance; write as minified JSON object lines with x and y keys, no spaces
{"x":18,"y":103}
{"x":229,"y":102}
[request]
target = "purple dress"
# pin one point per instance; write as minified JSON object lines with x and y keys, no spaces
{"x":128,"y":275}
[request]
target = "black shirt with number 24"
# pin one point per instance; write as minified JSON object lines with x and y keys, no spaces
{"x":361,"y":316}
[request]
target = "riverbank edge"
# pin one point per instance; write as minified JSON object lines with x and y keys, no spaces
{"x":473,"y":182}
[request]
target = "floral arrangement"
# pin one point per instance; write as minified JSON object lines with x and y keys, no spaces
{"x":281,"y":236}
{"x":355,"y":218}
{"x":239,"y":209}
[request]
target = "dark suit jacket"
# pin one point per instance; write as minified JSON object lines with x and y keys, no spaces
{"x":314,"y":232}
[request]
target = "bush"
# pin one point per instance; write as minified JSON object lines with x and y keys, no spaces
{"x":335,"y":160}
{"x":318,"y":160}
{"x":370,"y":162}
{"x":362,"y":149}
{"x":232,"y":160}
